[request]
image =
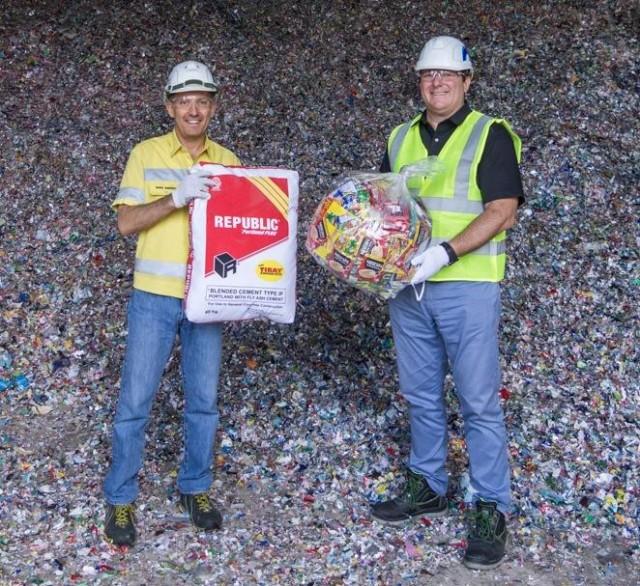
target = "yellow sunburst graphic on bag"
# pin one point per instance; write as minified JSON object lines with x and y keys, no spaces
{"x":270,"y":270}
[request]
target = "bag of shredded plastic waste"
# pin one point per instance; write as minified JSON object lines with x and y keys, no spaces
{"x":242,"y":259}
{"x":367,"y":230}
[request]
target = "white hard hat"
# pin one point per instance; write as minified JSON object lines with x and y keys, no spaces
{"x":444,"y":53}
{"x":190,"y":76}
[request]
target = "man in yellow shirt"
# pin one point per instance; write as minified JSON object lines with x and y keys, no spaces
{"x":162,"y":176}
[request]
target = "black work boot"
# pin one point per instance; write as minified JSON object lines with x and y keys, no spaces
{"x":487,"y":539}
{"x":118,"y":525}
{"x":201,"y":511}
{"x":416,"y":500}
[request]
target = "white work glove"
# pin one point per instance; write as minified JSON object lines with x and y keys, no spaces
{"x":429,"y":263}
{"x":194,"y":186}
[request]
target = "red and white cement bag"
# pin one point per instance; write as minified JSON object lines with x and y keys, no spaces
{"x":242,"y":258}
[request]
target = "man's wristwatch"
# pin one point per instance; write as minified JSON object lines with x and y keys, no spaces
{"x":453,"y":257}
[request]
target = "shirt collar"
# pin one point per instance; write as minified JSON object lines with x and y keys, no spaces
{"x":176,"y":146}
{"x":209,"y":148}
{"x":459,"y":117}
{"x":456,"y":119}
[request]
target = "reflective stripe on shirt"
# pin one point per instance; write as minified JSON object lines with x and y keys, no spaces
{"x":131,"y":193}
{"x":161,"y":268}
{"x":165,"y":174}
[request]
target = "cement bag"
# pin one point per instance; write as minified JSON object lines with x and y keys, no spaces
{"x":242,"y":259}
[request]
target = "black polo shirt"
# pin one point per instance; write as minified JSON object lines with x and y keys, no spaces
{"x":498,"y":171}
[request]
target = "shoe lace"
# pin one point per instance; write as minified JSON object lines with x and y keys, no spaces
{"x":203,"y":503}
{"x":123,"y":515}
{"x":483,"y":526}
{"x":413,"y":488}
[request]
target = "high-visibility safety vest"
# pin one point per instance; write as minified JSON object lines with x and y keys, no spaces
{"x":154,"y":169}
{"x":452,"y":196}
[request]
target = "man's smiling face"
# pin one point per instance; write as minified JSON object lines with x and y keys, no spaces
{"x":192,"y":112}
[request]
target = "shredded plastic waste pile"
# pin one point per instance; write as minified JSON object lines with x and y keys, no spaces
{"x":312,"y":427}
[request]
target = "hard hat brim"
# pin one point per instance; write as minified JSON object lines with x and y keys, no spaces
{"x":422,"y":65}
{"x":191,"y":85}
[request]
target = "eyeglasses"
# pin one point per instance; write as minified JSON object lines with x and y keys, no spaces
{"x":429,"y":75}
{"x":184,"y":103}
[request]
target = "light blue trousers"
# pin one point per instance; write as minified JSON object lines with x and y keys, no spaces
{"x":153,"y":323}
{"x":454,"y":327}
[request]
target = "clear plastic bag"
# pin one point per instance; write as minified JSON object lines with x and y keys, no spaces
{"x":367,"y":230}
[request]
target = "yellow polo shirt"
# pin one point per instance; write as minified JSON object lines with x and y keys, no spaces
{"x":154,"y":169}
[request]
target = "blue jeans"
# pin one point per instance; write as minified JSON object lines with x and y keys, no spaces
{"x":153,"y":322}
{"x":454,"y":327}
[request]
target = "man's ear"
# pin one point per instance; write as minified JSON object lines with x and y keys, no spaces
{"x":217,"y":102}
{"x":467,"y":82}
{"x":168,"y":104}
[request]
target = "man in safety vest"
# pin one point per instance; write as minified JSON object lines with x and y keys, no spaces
{"x":161,"y":177}
{"x":454,"y":324}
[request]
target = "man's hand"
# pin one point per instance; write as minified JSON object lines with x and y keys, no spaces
{"x":194,"y":186}
{"x":429,"y":263}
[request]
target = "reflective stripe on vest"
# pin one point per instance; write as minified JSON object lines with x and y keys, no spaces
{"x":160,"y":268}
{"x":463,"y":172}
{"x":397,"y":142}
